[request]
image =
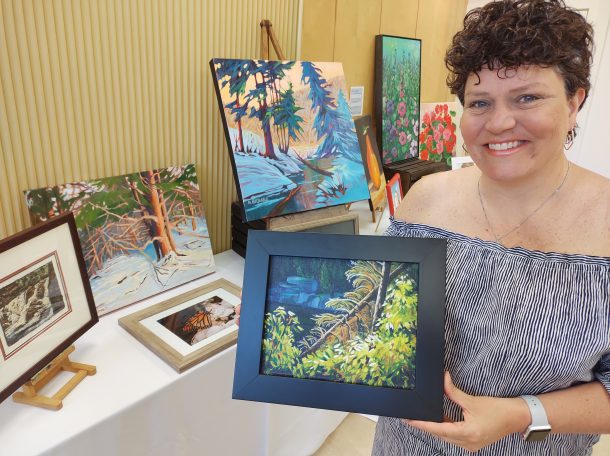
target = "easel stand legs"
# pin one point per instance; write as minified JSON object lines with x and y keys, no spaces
{"x":29,"y":394}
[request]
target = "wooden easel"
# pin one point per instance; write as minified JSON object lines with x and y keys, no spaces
{"x":29,"y":394}
{"x":268,"y":36}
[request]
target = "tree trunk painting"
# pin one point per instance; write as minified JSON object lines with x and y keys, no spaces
{"x":155,"y":209}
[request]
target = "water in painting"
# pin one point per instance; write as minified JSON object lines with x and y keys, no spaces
{"x":291,"y":135}
{"x":141,"y":233}
{"x":349,"y":321}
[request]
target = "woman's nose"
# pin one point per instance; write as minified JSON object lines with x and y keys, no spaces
{"x":501,"y":118}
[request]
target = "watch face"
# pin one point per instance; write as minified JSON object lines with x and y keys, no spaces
{"x":537,"y":433}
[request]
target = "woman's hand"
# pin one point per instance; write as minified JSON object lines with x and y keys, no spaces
{"x":486,"y":419}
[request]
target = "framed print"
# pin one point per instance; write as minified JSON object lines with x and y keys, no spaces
{"x":372,"y":161}
{"x":341,"y":322}
{"x":440,"y":138}
{"x":45,"y":299}
{"x":141,"y":233}
{"x":290,"y":135}
{"x":397,"y":94}
{"x":394,"y":193}
{"x":189,"y":328}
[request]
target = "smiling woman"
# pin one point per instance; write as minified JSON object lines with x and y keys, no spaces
{"x":528,"y":256}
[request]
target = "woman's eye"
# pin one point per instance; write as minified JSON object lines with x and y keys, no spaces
{"x":528,"y":98}
{"x":478,"y":104}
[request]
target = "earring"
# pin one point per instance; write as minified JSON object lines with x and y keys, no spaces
{"x":570,"y":138}
{"x":464,"y":148}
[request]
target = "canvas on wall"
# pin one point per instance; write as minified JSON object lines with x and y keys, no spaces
{"x":371,"y":160}
{"x":397,"y":94}
{"x":440,"y":138}
{"x":141,"y":233}
{"x":291,"y":136}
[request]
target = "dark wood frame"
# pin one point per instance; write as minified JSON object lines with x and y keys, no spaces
{"x":388,"y":191}
{"x":424,"y":402}
{"x":49,"y":353}
{"x":379,"y":117}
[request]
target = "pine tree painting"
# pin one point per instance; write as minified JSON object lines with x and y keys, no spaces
{"x":291,"y":136}
{"x":349,"y":321}
{"x":141,"y":233}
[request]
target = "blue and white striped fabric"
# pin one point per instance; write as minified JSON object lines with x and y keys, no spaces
{"x":517,"y":322}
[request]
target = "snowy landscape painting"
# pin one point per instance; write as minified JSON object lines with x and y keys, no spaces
{"x":141,"y":233}
{"x":291,"y":136}
{"x":349,"y":321}
{"x":30,"y":301}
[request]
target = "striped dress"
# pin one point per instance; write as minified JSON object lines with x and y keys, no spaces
{"x":517,"y":322}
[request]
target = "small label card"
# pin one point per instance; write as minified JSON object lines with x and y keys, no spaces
{"x":356,"y":98}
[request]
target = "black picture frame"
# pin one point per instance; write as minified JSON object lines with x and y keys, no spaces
{"x":423,"y":401}
{"x":384,"y":137}
{"x":53,"y":245}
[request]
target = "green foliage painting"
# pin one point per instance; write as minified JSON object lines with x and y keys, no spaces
{"x":141,"y":233}
{"x":349,"y":321}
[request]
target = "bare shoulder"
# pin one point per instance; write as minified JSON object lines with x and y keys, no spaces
{"x":434,"y":195}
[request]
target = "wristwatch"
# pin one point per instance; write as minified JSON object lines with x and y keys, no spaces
{"x":539,"y":427}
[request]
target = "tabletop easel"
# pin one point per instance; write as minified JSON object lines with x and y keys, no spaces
{"x":268,"y":37}
{"x":30,"y":390}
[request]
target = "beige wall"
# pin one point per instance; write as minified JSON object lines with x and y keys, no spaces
{"x":94,"y":88}
{"x":344,"y":31}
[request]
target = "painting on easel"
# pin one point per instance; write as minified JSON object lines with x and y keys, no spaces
{"x":290,"y":134}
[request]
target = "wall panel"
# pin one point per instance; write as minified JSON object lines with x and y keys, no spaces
{"x":93,"y":88}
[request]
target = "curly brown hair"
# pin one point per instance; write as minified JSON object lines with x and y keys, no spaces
{"x":505,"y":34}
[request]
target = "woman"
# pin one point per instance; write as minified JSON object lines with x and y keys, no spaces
{"x":528,"y":260}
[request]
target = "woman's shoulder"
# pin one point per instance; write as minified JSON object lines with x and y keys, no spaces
{"x":437,"y":196}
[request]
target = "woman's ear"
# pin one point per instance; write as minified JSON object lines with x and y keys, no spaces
{"x":575,"y":102}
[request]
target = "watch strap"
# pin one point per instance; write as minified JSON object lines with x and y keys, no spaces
{"x":540,"y":423}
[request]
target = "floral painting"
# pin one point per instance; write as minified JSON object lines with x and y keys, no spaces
{"x":141,"y":233}
{"x":341,"y":320}
{"x":440,"y":137}
{"x":397,"y":93}
{"x":290,"y":134}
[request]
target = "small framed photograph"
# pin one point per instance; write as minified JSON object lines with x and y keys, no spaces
{"x":45,"y":299}
{"x":343,"y":322}
{"x":393,"y":191}
{"x":189,"y":328}
{"x":461,"y":162}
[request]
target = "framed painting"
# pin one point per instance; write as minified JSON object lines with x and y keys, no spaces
{"x":141,"y":233}
{"x":45,"y":299}
{"x":394,"y":194}
{"x":440,"y":138}
{"x":185,"y":330}
{"x":290,"y":135}
{"x":352,"y":323}
{"x":397,"y":94}
{"x":372,"y":161}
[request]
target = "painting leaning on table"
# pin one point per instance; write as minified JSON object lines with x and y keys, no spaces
{"x":141,"y":233}
{"x":348,"y":321}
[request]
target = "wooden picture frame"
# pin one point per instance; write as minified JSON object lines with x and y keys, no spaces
{"x":394,"y":193}
{"x":277,"y":360}
{"x":189,"y":328}
{"x":45,"y":299}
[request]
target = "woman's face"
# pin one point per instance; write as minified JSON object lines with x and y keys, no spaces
{"x":516,"y":123}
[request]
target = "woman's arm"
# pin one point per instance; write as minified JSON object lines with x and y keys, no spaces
{"x":579,"y":409}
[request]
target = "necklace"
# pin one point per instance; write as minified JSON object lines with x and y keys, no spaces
{"x":540,"y":206}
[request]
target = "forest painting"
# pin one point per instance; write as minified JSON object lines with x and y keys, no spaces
{"x":30,"y":302}
{"x":348,"y":321}
{"x":397,"y":92}
{"x":141,"y":233}
{"x":291,"y":136}
{"x":440,"y":138}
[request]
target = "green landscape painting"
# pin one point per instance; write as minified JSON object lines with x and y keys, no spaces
{"x":348,"y":321}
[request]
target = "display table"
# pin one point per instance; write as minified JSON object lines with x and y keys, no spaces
{"x":136,"y":404}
